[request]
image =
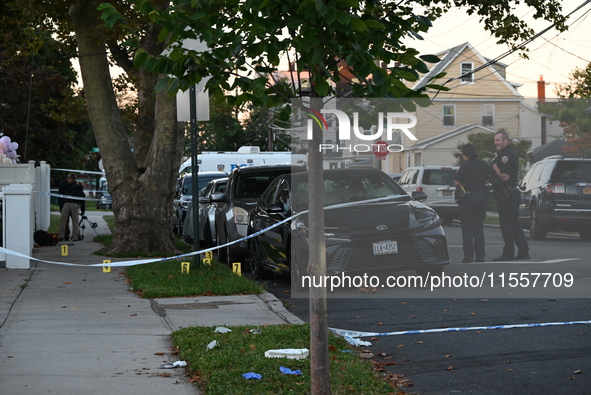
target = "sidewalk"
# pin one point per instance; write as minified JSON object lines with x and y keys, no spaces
{"x":69,"y":330}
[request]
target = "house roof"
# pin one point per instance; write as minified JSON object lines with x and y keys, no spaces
{"x":554,"y":147}
{"x":454,"y":132}
{"x":450,"y":55}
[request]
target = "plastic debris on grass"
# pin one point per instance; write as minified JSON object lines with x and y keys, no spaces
{"x":251,"y":375}
{"x":222,"y":329}
{"x":289,"y":353}
{"x":285,"y":370}
{"x":356,"y":342}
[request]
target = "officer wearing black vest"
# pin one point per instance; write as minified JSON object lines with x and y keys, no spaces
{"x":504,"y":180}
{"x":471,"y":179}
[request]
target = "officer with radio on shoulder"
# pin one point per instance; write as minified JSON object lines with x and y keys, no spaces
{"x":470,"y":182}
{"x":504,"y":174}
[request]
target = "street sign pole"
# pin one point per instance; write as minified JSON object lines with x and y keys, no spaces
{"x":194,"y":170}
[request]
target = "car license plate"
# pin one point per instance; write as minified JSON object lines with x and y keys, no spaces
{"x":587,"y":191}
{"x":385,"y":247}
{"x":446,"y":193}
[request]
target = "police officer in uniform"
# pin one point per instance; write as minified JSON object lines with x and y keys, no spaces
{"x":472,"y":177}
{"x":504,"y":170}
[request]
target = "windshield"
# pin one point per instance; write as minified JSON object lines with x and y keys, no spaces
{"x":348,"y":187}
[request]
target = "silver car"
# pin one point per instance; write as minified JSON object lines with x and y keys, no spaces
{"x":207,"y":210}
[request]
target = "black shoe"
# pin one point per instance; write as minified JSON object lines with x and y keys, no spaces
{"x":479,"y":260}
{"x":503,"y":258}
{"x":467,"y":260}
{"x":522,"y":256}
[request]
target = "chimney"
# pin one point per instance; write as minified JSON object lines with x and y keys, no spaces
{"x":541,"y":90}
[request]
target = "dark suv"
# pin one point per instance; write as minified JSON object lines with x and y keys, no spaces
{"x":556,"y":195}
{"x":244,"y":188}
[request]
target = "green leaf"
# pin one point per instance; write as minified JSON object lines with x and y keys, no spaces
{"x":430,"y":58}
{"x":358,"y":25}
{"x":162,"y":84}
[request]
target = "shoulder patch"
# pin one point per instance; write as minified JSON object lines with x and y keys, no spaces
{"x":504,"y":159}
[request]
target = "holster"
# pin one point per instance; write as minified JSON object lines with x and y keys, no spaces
{"x":502,"y":192}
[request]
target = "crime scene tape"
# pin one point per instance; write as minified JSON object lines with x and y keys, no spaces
{"x":356,"y":334}
{"x":67,"y":196}
{"x":80,"y":171}
{"x":176,"y":257}
{"x":145,"y":261}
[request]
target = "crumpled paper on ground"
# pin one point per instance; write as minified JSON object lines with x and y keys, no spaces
{"x":173,"y":365}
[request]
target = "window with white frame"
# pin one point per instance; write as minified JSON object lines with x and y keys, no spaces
{"x":487,"y":112}
{"x":466,"y":76}
{"x":449,"y":115}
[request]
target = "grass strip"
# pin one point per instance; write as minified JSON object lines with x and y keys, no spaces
{"x":167,"y":279}
{"x":219,"y":370}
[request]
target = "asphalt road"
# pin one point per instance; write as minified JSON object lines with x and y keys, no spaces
{"x":530,"y":360}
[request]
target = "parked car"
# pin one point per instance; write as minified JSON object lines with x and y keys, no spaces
{"x":556,"y":195}
{"x":438,"y":183}
{"x":384,"y":229}
{"x":245,"y":186}
{"x":106,"y":201}
{"x":185,"y":193}
{"x":207,"y":210}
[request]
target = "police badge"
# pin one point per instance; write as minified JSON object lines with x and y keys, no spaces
{"x":504,"y":159}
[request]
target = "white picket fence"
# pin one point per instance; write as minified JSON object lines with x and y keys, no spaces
{"x":25,"y":208}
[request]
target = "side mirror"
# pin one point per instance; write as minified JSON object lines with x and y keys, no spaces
{"x":203,"y":200}
{"x":217,"y":197}
{"x":421,"y":196}
{"x":274,"y":209}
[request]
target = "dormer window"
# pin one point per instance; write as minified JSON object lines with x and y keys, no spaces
{"x":466,"y":76}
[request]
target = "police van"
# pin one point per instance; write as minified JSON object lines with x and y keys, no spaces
{"x":245,"y":156}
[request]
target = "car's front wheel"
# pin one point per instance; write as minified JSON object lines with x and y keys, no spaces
{"x":536,"y":229}
{"x":256,"y":266}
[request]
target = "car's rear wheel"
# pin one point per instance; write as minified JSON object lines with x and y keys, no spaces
{"x":256,"y":266}
{"x":536,"y":230}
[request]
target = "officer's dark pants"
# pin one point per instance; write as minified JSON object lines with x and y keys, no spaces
{"x":472,"y":211}
{"x":511,"y":230}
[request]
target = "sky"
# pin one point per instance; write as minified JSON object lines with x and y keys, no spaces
{"x":553,"y":55}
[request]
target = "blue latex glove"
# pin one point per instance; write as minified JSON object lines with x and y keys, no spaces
{"x":251,"y":375}
{"x":289,"y":371}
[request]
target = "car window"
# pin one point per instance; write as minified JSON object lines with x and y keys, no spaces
{"x":535,"y":175}
{"x":220,"y":186}
{"x":572,"y":170}
{"x":415,"y":176}
{"x":438,"y":176}
{"x":283,"y":196}
{"x":268,"y":196}
{"x":252,"y":186}
{"x":343,"y":188}
{"x":404,"y":179}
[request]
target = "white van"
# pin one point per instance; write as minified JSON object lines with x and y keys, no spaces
{"x":245,"y":156}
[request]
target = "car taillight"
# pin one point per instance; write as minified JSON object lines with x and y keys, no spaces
{"x":555,"y":188}
{"x":419,"y":189}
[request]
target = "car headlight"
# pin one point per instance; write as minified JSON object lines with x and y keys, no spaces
{"x":426,"y":218}
{"x":240,"y":216}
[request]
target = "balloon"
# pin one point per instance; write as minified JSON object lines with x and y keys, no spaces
{"x":6,"y":161}
{"x":5,"y":140}
{"x":2,"y":146}
{"x":2,"y":156}
{"x":11,"y":154}
{"x":13,"y":146}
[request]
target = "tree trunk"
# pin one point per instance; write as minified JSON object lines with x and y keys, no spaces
{"x":141,"y":184}
{"x":319,"y":359}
